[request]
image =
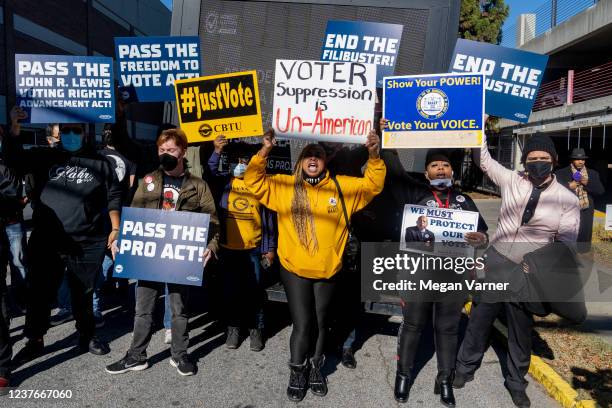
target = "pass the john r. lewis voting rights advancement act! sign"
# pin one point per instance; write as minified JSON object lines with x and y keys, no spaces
{"x":65,"y":88}
{"x":512,"y":77}
{"x":226,"y":104}
{"x":439,"y":110}
{"x":324,"y":100}
{"x":162,"y":246}
{"x":150,"y":65}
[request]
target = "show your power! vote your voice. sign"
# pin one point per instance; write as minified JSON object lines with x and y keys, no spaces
{"x":440,"y":110}
{"x":365,"y":42}
{"x":65,"y":88}
{"x":162,"y":246}
{"x":512,"y":77}
{"x":324,"y":100}
{"x":216,"y":105}
{"x":151,"y":64}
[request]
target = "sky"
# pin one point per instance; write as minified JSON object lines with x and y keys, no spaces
{"x":518,"y":7}
{"x":167,"y":3}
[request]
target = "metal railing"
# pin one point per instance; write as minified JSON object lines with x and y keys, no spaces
{"x":585,"y":85}
{"x":547,"y":15}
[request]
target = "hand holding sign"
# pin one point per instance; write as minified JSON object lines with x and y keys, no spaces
{"x":372,"y":144}
{"x":269,"y":141}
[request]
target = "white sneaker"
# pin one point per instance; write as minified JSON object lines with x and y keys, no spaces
{"x":168,"y":336}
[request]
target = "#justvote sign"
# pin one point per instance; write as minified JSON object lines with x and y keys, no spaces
{"x":512,"y":77}
{"x":150,"y":65}
{"x":440,"y":110}
{"x":216,"y":105}
{"x":162,"y":246}
{"x":324,"y":100}
{"x":65,"y":88}
{"x":365,"y":42}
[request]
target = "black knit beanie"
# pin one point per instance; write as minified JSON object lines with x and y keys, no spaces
{"x":436,"y":155}
{"x":539,"y":142}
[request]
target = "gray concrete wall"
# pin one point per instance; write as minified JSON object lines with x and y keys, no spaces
{"x":577,"y":28}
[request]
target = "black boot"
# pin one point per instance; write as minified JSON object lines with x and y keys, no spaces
{"x":520,"y":398}
{"x":317,"y":382}
{"x":402,"y":387}
{"x":298,"y":382}
{"x":444,"y":388}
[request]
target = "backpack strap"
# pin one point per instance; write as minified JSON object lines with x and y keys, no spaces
{"x":341,"y":196}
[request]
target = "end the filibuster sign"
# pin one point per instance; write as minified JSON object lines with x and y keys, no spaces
{"x":162,"y":246}
{"x":440,"y":110}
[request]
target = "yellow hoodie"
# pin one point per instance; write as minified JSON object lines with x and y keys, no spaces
{"x":276,"y":193}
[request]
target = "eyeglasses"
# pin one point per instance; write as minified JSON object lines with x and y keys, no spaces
{"x":316,"y":154}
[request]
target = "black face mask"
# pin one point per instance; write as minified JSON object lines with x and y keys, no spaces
{"x":168,"y":161}
{"x":538,"y":170}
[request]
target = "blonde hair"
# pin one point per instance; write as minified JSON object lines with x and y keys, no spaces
{"x":301,"y":213}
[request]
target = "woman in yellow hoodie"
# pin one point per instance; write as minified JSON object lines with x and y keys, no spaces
{"x":312,"y":233}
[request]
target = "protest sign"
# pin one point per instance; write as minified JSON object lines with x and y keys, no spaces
{"x":323,"y":100}
{"x":152,"y":64}
{"x":440,"y":110}
{"x":216,"y":105}
{"x":365,"y":42}
{"x":162,"y":246}
{"x":438,"y":231}
{"x":65,"y":88}
{"x":512,"y":77}
{"x":608,"y":226}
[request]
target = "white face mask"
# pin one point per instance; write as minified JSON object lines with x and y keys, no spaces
{"x":445,"y":182}
{"x":239,"y":170}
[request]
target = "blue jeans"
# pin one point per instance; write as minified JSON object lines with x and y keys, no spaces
{"x":107,"y":267}
{"x":63,"y":295}
{"x":16,"y":235}
{"x":167,"y":310}
{"x":243,"y":288}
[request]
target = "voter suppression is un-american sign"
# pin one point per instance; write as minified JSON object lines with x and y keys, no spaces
{"x":162,"y":246}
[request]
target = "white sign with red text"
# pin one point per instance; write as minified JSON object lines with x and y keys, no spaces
{"x":324,"y":100}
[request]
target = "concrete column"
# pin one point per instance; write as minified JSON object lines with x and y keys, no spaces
{"x":525,"y":29}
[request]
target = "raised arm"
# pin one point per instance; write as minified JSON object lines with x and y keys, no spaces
{"x":262,"y":186}
{"x":499,"y":174}
{"x":213,"y":162}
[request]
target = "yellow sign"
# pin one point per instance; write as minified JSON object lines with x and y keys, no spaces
{"x":216,"y":105}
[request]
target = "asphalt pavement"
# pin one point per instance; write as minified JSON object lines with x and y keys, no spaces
{"x":240,"y":378}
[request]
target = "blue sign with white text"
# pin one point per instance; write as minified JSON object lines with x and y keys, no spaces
{"x":439,"y":110}
{"x":65,"y":88}
{"x":512,"y":77}
{"x":162,"y":246}
{"x":365,"y":42}
{"x":152,"y":64}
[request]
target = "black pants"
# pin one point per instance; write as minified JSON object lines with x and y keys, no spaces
{"x":243,"y":288}
{"x":147,"y":294}
{"x":6,"y":350}
{"x":520,"y":323}
{"x":81,"y":261}
{"x":310,"y":301}
{"x":348,"y":309}
{"x":447,"y":316}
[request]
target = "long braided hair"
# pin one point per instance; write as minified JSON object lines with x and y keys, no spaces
{"x":301,"y":213}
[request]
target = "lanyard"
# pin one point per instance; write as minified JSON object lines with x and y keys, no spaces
{"x":439,"y":201}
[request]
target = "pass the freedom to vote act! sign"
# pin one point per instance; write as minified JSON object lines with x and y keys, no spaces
{"x":151,"y":64}
{"x":65,"y":88}
{"x":162,"y":246}
{"x":439,"y":110}
{"x":324,"y":100}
